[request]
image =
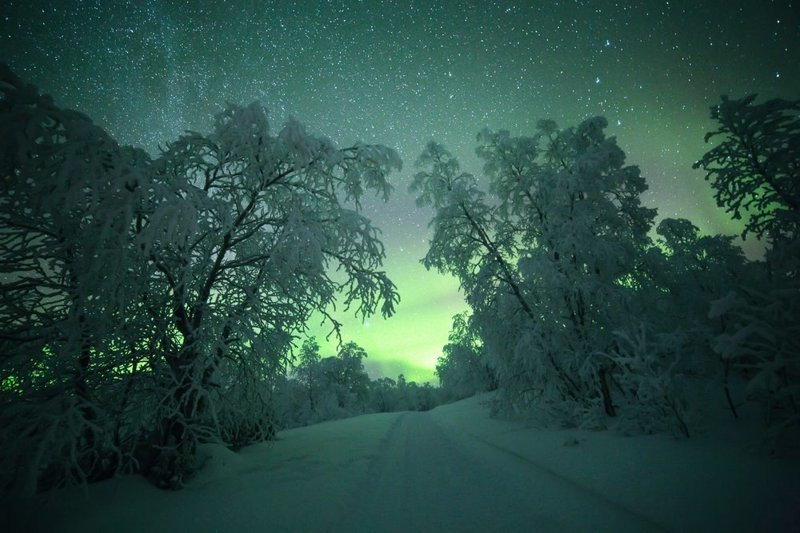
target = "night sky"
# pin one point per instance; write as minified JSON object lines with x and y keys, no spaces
{"x":401,"y":73}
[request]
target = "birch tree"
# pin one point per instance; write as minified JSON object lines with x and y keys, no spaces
{"x":548,"y":267}
{"x":243,"y":240}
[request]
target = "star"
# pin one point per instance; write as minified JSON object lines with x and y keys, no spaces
{"x":402,"y":73}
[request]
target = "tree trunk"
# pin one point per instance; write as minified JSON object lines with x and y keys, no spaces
{"x":170,"y":451}
{"x":608,"y":405}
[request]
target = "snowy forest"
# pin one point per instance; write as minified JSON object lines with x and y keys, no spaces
{"x":152,"y":304}
{"x":581,"y":317}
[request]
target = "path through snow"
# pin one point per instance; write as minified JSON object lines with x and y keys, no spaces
{"x":451,"y":469}
{"x":428,"y":479}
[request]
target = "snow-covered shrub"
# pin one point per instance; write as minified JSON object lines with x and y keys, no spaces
{"x":53,"y":439}
{"x":761,"y":341}
{"x":647,"y":383}
{"x":685,"y":272}
{"x":245,"y":416}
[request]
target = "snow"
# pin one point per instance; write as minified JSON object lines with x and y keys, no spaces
{"x":453,"y":468}
{"x":715,"y":482}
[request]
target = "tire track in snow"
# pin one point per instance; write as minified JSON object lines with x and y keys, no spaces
{"x":428,"y":478}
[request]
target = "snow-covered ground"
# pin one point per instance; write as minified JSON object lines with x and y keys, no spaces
{"x":450,"y":469}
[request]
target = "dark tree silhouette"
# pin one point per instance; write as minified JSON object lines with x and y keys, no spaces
{"x":755,"y":170}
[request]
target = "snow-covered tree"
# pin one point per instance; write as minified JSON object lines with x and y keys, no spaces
{"x":462,"y":369}
{"x":307,"y":370}
{"x":149,"y":305}
{"x":342,"y":388}
{"x":70,"y":196}
{"x":245,"y":229}
{"x":683,"y":273}
{"x":463,"y":242}
{"x":574,"y":206}
{"x":383,"y":395}
{"x":352,"y":375}
{"x":466,"y":240}
{"x":755,"y":171}
{"x":550,"y":268}
{"x":688,"y":271}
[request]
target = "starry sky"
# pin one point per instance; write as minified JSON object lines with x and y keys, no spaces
{"x":402,"y":72}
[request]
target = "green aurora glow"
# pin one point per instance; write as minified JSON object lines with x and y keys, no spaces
{"x":400,"y":72}
{"x":410,"y":341}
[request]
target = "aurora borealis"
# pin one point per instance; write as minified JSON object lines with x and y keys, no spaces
{"x":401,"y":73}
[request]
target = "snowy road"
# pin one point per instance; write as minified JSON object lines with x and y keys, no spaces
{"x":427,"y":477}
{"x":451,"y":469}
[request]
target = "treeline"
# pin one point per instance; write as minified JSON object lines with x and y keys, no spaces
{"x":327,"y":388}
{"x":151,"y":304}
{"x":580,"y":316}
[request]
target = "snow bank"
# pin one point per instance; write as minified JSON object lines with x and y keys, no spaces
{"x":296,"y":483}
{"x":715,"y":482}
